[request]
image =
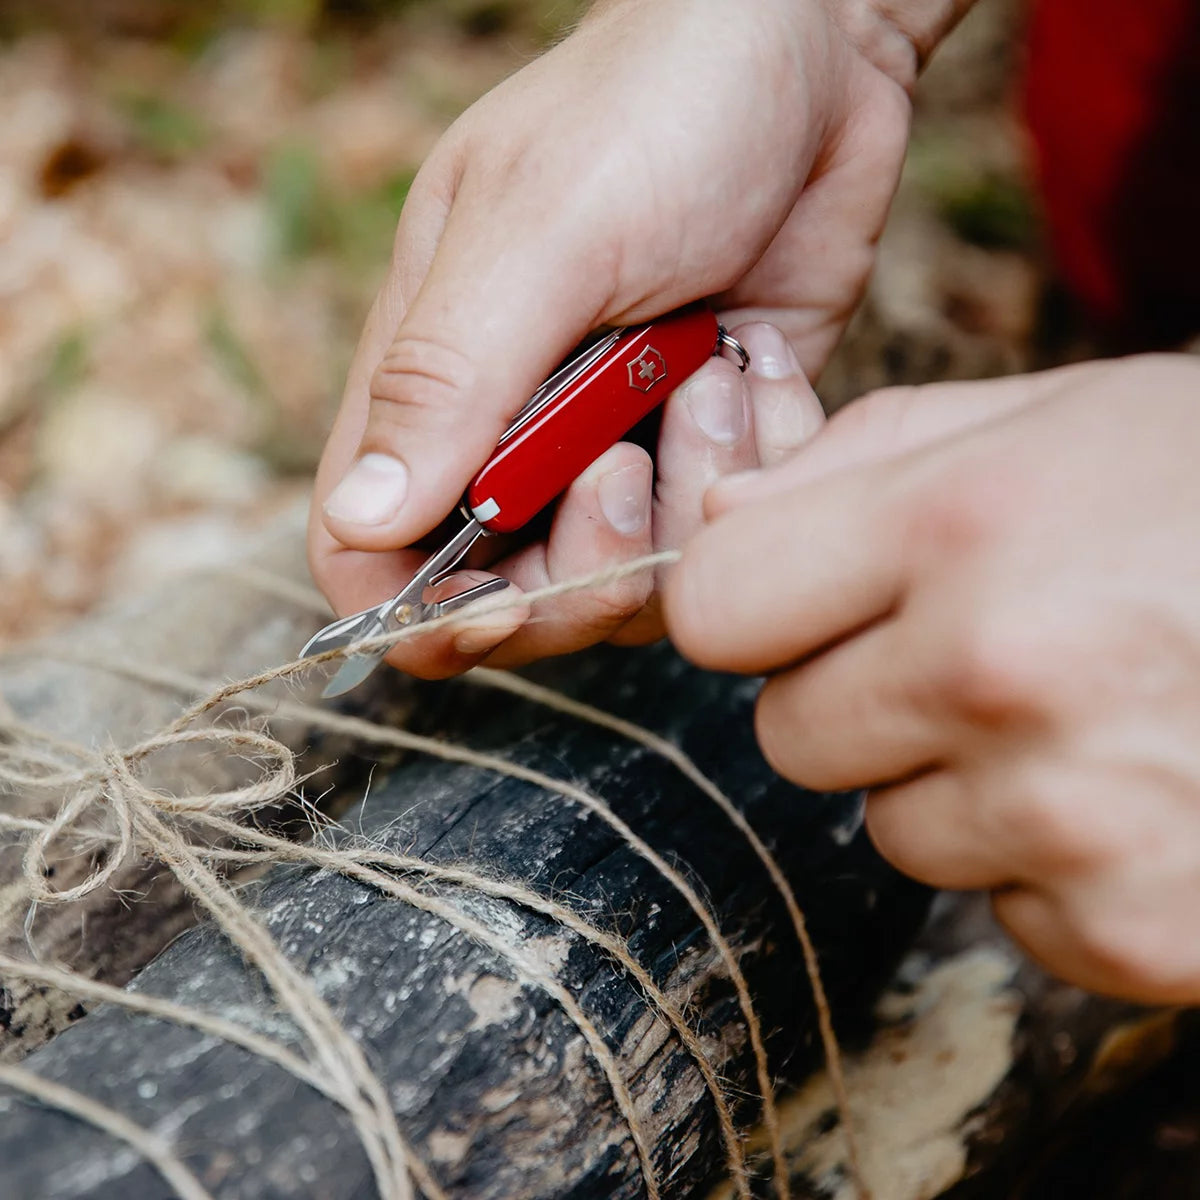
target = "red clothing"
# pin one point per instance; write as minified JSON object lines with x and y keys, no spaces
{"x":1112,"y":97}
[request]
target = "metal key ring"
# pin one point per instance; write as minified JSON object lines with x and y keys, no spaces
{"x":726,"y":341}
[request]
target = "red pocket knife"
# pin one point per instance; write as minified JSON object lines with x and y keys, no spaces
{"x":585,"y":407}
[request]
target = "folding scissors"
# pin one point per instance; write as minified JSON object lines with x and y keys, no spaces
{"x":586,"y":406}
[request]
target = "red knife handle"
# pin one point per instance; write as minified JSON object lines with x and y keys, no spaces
{"x":552,"y":442}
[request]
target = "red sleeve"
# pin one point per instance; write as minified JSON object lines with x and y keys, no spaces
{"x":1112,"y":97}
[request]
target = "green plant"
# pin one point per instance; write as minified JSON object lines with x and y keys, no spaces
{"x":162,"y":127}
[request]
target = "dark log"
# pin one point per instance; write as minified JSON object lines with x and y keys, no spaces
{"x":995,"y":1063}
{"x":219,"y":625}
{"x":1138,"y":1140}
{"x":977,"y":1075}
{"x":491,"y":1082}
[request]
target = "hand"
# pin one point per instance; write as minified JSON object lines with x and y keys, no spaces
{"x":982,"y":601}
{"x":662,"y":152}
{"x":717,"y":423}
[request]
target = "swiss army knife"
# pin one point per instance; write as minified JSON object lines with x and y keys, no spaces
{"x":586,"y":406}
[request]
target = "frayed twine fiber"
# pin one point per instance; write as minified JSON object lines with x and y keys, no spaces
{"x":146,"y":820}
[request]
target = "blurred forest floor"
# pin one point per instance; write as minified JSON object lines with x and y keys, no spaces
{"x":196,"y":210}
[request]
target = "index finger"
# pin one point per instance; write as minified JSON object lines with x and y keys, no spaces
{"x":771,"y":583}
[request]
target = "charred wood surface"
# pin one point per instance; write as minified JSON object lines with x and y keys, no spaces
{"x":491,"y":1082}
{"x":219,"y":625}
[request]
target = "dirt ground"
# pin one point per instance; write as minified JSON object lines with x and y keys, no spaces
{"x":195,"y":212}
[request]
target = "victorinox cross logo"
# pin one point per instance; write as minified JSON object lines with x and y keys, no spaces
{"x":647,"y":369}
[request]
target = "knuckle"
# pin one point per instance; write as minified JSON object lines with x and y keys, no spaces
{"x":511,"y":163}
{"x":995,"y":670}
{"x":1055,"y":826}
{"x":617,"y":602}
{"x":431,"y":193}
{"x":959,"y":512}
{"x":421,"y":379}
{"x":950,"y":522}
{"x":871,"y":420}
{"x":877,"y":415}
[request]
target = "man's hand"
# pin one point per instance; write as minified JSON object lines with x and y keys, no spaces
{"x":982,"y":601}
{"x":662,"y":152}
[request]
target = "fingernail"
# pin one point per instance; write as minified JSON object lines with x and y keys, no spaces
{"x":717,"y":402}
{"x":625,"y":498}
{"x":771,"y":356}
{"x":372,"y":492}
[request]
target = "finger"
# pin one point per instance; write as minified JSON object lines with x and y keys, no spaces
{"x":889,"y":423}
{"x":1037,"y":922}
{"x":927,"y":828}
{"x":476,"y":630}
{"x":421,"y":224}
{"x":1102,"y":939}
{"x":706,"y":433}
{"x":602,"y":522}
{"x":771,"y":583}
{"x":856,"y":716}
{"x":355,"y":580}
{"x":1005,"y":816}
{"x":462,"y":362}
{"x":809,"y":281}
{"x":350,"y":579}
{"x":787,"y":413}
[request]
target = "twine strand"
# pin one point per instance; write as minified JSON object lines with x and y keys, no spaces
{"x":368,"y":731}
{"x":153,"y":1149}
{"x":517,"y":685}
{"x":141,"y":818}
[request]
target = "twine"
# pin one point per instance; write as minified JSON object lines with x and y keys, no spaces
{"x":153,"y":1149}
{"x":143,"y":819}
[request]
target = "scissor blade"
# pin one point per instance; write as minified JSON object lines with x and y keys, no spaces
{"x":351,"y":673}
{"x":357,"y":666}
{"x":341,"y":633}
{"x":405,"y":608}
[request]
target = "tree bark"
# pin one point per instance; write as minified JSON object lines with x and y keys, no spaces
{"x":972,"y":1076}
{"x":217,"y":625}
{"x":975,"y":1067}
{"x":492,"y":1083}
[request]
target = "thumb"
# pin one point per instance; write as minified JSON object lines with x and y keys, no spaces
{"x":886,"y":424}
{"x":493,"y":315}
